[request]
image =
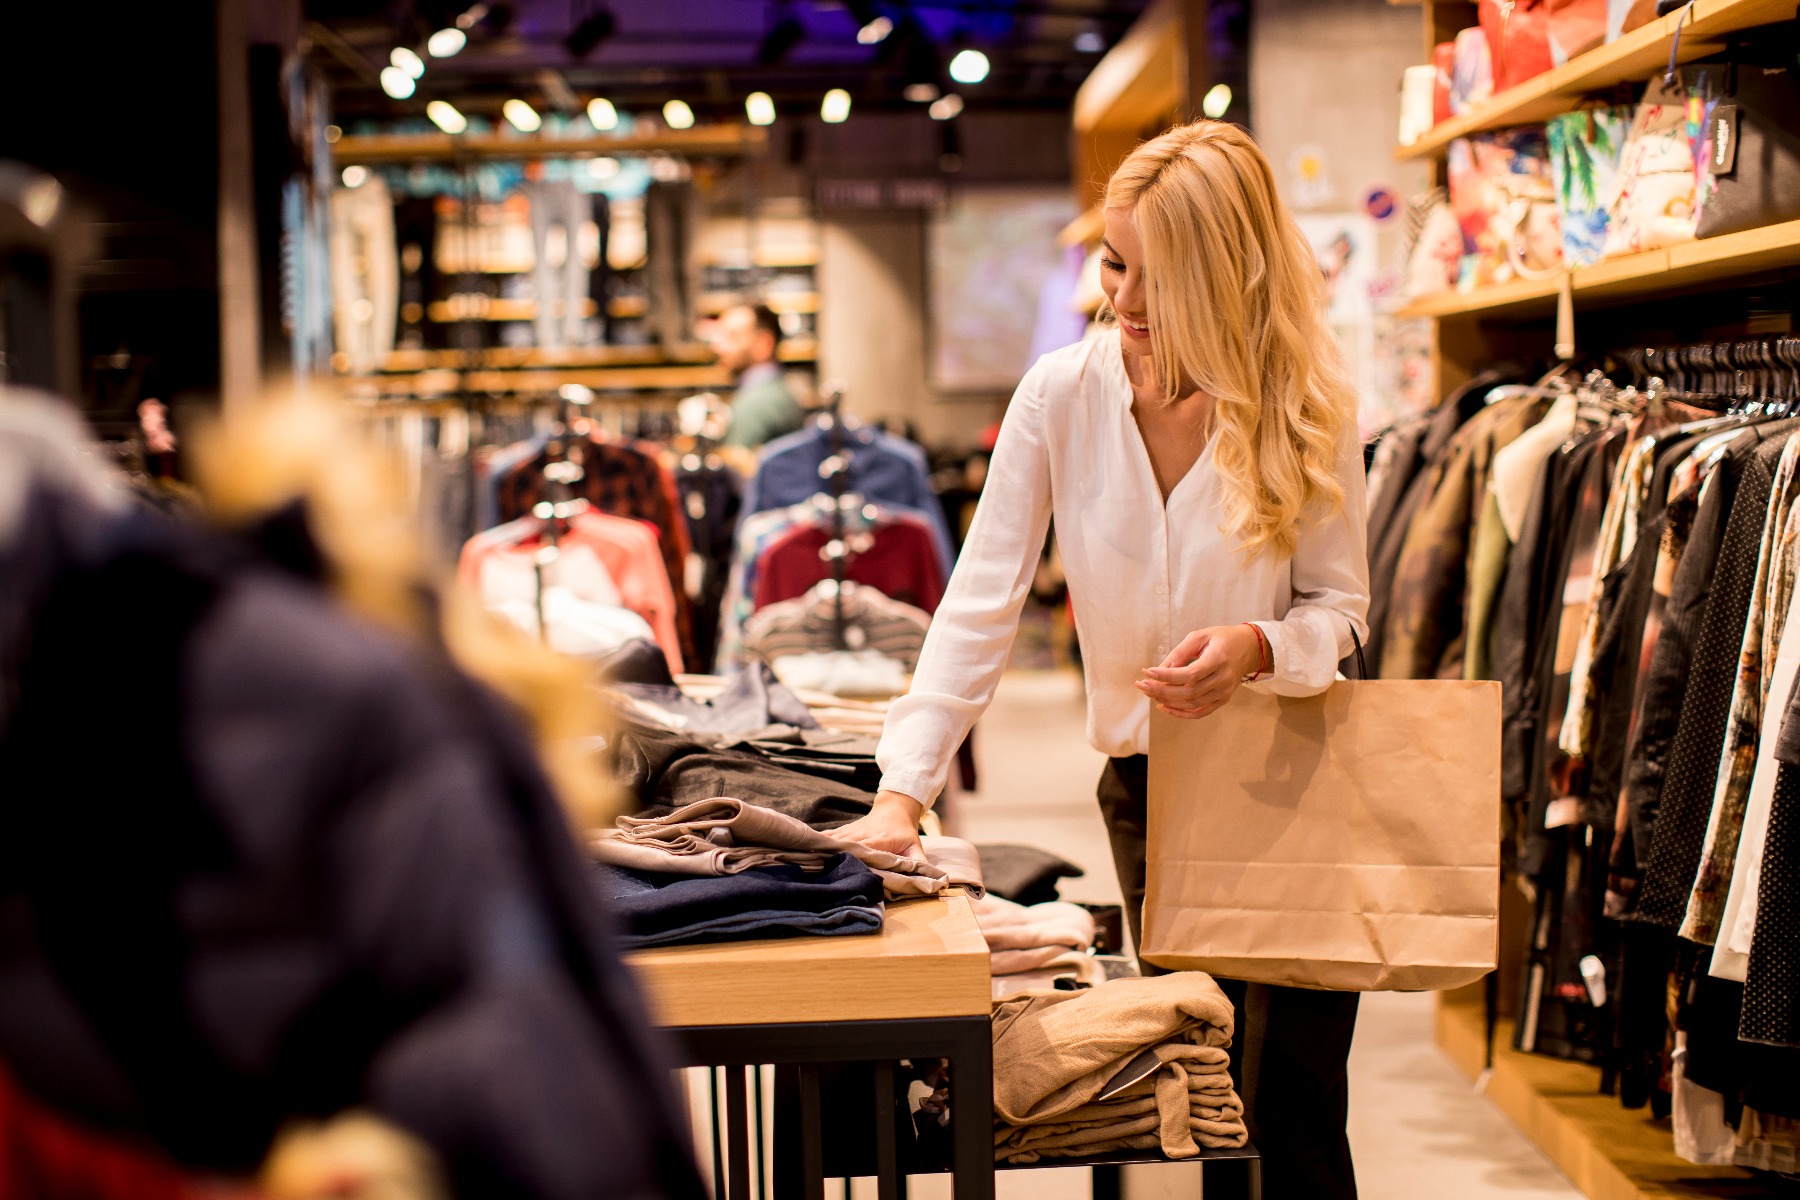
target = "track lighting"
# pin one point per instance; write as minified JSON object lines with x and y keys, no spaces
{"x":524,"y":118}
{"x":590,"y":31}
{"x":444,"y":115}
{"x":1217,"y":101}
{"x":835,"y":108}
{"x":355,"y":176}
{"x":921,"y":93}
{"x":946,"y":107}
{"x":875,"y":31}
{"x":678,"y":115}
{"x":969,"y":66}
{"x":602,"y":115}
{"x":407,"y":60}
{"x":396,"y":83}
{"x":782,"y":37}
{"x":446,"y":43}
{"x":760,"y":108}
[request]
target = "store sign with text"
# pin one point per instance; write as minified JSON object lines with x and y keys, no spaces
{"x":881,"y":193}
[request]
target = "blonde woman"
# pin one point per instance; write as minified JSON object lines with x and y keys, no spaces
{"x":1202,"y":467}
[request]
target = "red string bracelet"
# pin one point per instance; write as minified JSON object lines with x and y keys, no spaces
{"x":1262,"y":653}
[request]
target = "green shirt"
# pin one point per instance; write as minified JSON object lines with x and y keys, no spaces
{"x":762,"y":409}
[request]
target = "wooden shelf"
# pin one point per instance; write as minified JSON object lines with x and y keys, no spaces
{"x":1633,"y":277}
{"x":1634,"y":58}
{"x":446,"y":312}
{"x":1609,"y":1152}
{"x":438,"y":383}
{"x":775,"y":258}
{"x":702,"y":141}
{"x":713,"y":303}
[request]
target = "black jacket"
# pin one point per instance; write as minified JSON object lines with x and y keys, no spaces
{"x":260,"y":861}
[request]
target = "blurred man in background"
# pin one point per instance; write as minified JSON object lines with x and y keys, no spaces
{"x":746,"y":337}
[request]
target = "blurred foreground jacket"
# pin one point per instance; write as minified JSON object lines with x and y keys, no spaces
{"x":260,"y":861}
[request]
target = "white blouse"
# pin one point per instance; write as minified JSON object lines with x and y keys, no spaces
{"x":1141,"y":575}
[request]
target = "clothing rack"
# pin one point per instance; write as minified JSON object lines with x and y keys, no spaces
{"x":560,"y":474}
{"x":835,"y":470}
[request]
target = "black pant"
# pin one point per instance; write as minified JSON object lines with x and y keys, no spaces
{"x":1292,"y":1045}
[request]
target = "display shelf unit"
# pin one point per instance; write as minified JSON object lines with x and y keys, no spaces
{"x":1633,"y":58}
{"x":1733,"y":258}
{"x":505,"y":371}
{"x":702,"y":141}
{"x":1609,"y":1152}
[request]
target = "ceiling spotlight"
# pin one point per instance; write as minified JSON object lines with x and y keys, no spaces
{"x":446,"y":43}
{"x":946,"y":107}
{"x":590,"y":31}
{"x":396,"y":82}
{"x":782,"y":37}
{"x":602,"y":115}
{"x":678,"y":114}
{"x":443,"y":114}
{"x":875,"y":31}
{"x":921,"y":93}
{"x":603,"y":168}
{"x":969,"y":66}
{"x":760,"y":108}
{"x":1090,"y":41}
{"x":355,"y":177}
{"x":524,"y":118}
{"x":472,"y":17}
{"x":1216,"y":101}
{"x":835,"y":108}
{"x":407,"y":61}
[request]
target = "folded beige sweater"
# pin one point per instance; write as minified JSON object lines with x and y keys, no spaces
{"x":1055,"y":1051}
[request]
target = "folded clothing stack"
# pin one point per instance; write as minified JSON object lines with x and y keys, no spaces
{"x":724,"y":836}
{"x":1132,"y":1064}
{"x":843,"y":897}
{"x":1034,"y":937}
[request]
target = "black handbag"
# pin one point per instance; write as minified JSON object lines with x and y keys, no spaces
{"x":1753,"y":136}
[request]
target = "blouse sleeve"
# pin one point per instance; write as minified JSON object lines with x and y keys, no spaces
{"x":1331,"y":588}
{"x":966,"y":649}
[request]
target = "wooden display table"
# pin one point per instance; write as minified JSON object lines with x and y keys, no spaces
{"x":919,"y":989}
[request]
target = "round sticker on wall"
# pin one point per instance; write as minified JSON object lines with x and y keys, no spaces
{"x":1381,"y":202}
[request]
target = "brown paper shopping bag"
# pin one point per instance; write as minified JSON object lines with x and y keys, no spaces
{"x":1348,"y":841}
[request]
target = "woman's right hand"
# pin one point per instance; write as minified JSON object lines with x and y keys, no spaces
{"x":892,"y":825}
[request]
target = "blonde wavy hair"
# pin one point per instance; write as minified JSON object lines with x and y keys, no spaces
{"x":1236,"y":305}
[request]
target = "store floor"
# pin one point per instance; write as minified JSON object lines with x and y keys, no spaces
{"x":1416,"y":1127}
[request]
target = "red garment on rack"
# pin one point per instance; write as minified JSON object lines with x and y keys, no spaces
{"x":901,"y":563}
{"x":626,"y":481}
{"x":630,"y":551}
{"x":44,"y":1154}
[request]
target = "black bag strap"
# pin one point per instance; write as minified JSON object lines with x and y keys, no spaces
{"x":1362,"y":664}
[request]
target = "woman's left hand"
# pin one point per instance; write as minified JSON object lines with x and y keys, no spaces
{"x":1202,"y":674}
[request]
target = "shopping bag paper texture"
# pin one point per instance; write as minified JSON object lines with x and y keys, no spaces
{"x":1348,"y":841}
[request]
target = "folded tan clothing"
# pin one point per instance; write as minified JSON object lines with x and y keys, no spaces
{"x":1009,"y":983}
{"x":1182,"y":1139}
{"x":723,"y":836}
{"x":958,"y":860}
{"x":1009,"y":962}
{"x":1056,"y":1051}
{"x":1010,"y":926}
{"x":673,"y":858}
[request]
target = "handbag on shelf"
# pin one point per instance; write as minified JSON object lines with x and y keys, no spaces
{"x":1651,"y":202}
{"x":1348,"y":841}
{"x":1750,"y":147}
{"x":1518,"y":37}
{"x":1585,"y":147}
{"x":1434,"y":245}
{"x":1471,"y":71}
{"x":1501,"y":192}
